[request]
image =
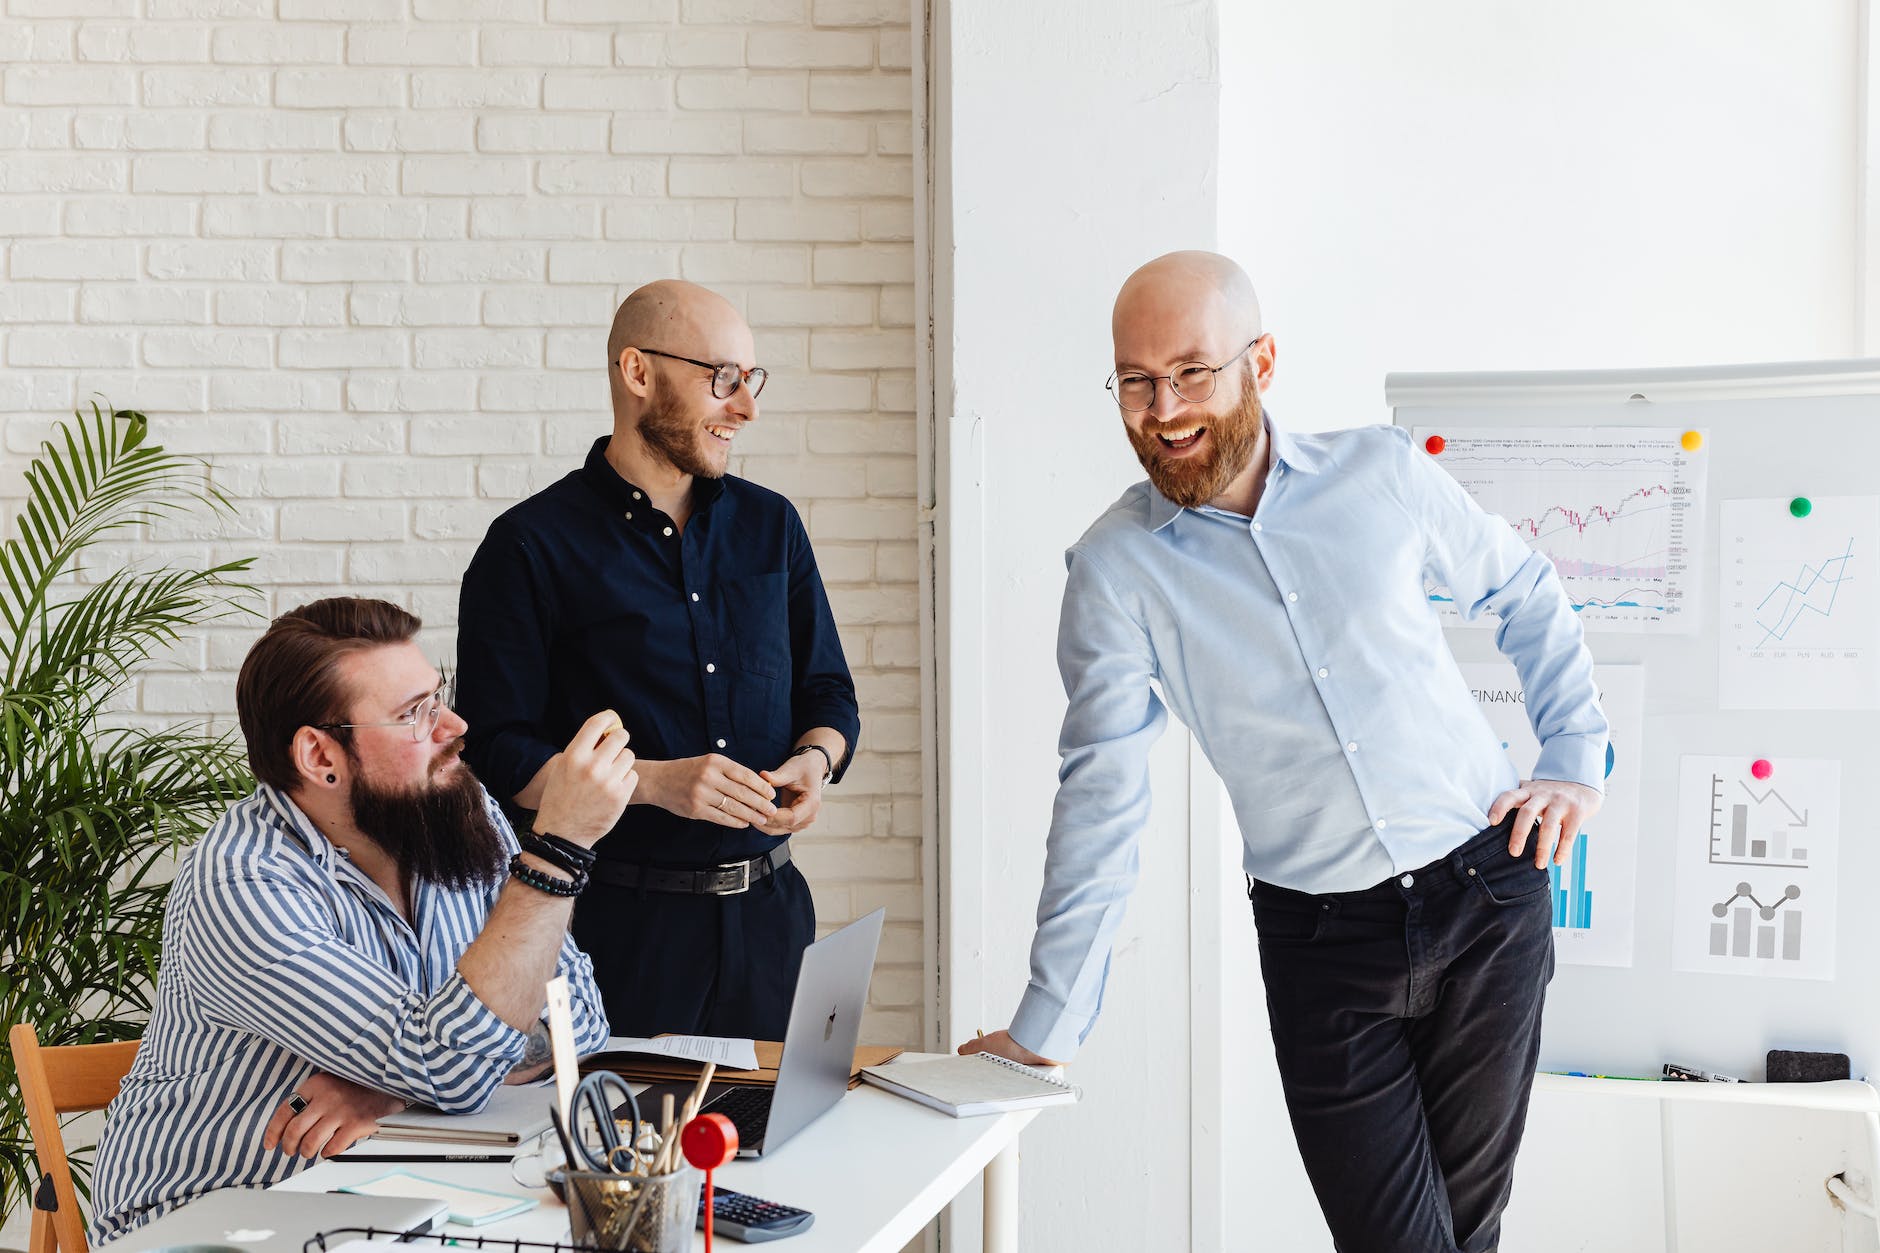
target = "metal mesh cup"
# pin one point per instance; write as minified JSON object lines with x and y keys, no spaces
{"x":634,"y":1213}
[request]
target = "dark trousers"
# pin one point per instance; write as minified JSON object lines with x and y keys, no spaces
{"x":1407,"y":1021}
{"x":698,"y":965}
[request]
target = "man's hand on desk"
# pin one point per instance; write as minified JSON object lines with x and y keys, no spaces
{"x":713,"y":787}
{"x":1001,"y":1044}
{"x":1559,"y":808}
{"x":338,"y":1113}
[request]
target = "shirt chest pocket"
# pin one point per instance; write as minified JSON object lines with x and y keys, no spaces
{"x":757,"y":622}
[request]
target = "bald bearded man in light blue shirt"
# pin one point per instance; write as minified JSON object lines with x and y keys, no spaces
{"x":1273,"y":588}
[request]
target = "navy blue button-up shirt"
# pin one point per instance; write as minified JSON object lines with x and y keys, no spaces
{"x":714,"y":639}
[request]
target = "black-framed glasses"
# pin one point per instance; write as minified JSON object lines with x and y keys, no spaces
{"x":422,"y":719}
{"x":726,"y":376}
{"x":1193,"y":381}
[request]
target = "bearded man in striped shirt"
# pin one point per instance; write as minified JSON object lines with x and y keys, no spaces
{"x":362,"y":933}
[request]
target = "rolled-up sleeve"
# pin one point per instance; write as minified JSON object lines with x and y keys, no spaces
{"x":822,"y":690}
{"x":287,"y":975}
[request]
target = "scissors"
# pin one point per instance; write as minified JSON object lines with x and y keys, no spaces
{"x":605,"y":1100}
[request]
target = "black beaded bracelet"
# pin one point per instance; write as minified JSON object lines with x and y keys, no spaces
{"x":527,"y":874}
{"x":584,"y":857}
{"x":554,"y":855}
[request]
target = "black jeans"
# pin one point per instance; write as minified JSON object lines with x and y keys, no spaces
{"x":1407,"y":1021}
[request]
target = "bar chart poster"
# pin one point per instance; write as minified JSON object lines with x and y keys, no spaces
{"x":1593,"y":892}
{"x":1618,"y":510}
{"x":1799,"y":590}
{"x":1758,"y":877}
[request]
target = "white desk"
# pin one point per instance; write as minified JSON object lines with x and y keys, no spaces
{"x":874,"y":1170}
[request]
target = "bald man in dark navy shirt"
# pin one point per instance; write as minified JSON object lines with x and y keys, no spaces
{"x":651,"y":582}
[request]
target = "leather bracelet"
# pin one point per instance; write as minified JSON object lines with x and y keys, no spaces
{"x":529,"y":875}
{"x":584,"y":857}
{"x":829,"y":763}
{"x":554,"y":856}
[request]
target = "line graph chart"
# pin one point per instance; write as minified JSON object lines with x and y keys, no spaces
{"x":1799,"y":600}
{"x":1618,"y":510}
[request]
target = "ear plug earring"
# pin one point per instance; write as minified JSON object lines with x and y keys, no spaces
{"x":332,"y":778}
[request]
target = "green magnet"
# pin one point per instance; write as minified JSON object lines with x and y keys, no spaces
{"x":1800,"y":507}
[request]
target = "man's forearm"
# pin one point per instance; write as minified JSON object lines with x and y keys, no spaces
{"x":828,"y":739}
{"x":512,"y":959}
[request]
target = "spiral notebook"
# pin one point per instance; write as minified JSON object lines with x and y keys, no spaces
{"x":981,"y":1083}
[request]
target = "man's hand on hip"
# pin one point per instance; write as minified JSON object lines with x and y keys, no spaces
{"x":334,"y":1115}
{"x":1001,"y":1044}
{"x":1553,"y":810}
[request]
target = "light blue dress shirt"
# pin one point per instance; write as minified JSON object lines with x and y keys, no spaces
{"x":1301,"y":649}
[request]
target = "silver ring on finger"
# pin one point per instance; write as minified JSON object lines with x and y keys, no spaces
{"x":297,"y":1103}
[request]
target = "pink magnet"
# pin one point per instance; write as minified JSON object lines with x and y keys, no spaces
{"x":1761,"y":768}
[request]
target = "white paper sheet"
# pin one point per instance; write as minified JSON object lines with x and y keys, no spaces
{"x":727,"y":1053}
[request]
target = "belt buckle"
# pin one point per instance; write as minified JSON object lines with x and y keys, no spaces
{"x":744,"y":878}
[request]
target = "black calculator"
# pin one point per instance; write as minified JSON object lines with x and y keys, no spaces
{"x":753,"y":1219}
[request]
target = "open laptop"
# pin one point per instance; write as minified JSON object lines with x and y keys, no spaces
{"x":254,"y":1220}
{"x":818,"y":1045}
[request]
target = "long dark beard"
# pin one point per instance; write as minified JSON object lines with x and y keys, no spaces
{"x":440,"y":833}
{"x":669,"y":431}
{"x":1194,"y":481}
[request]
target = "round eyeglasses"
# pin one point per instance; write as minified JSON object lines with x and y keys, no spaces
{"x":1193,"y":381}
{"x":422,"y":720}
{"x":726,"y":376}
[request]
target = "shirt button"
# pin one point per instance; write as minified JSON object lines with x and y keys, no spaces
{"x":629,"y":515}
{"x":667,"y":531}
{"x":1292,"y":595}
{"x":636,"y":495}
{"x":721,"y":743}
{"x":694,"y":595}
{"x":710,"y":668}
{"x":1408,"y":880}
{"x":1351,"y":746}
{"x":1256,"y":526}
{"x":1323,"y":672}
{"x":1379,"y":824}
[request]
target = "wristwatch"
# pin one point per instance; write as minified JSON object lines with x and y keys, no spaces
{"x":829,"y":765}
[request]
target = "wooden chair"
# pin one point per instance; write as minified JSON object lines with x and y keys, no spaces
{"x":54,"y":1081}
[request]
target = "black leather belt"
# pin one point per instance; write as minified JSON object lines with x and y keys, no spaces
{"x":725,"y":879}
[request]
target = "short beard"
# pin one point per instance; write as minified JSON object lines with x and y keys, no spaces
{"x":674,"y":435}
{"x":1194,"y":481}
{"x":438,"y":833}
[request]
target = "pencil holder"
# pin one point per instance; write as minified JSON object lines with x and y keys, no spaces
{"x":633,"y":1213}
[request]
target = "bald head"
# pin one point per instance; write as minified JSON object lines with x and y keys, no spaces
{"x":1203,"y":292}
{"x":670,"y":315}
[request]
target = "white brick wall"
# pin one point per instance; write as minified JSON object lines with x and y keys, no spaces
{"x":362,"y":255}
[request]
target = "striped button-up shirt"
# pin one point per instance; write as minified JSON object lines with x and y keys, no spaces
{"x":1300,"y":648}
{"x":281,"y":959}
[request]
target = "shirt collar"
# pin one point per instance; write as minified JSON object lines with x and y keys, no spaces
{"x":295,"y":821}
{"x":1287,"y":451}
{"x":599,"y":473}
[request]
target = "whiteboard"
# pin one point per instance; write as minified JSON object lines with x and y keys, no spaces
{"x":1771,"y":433}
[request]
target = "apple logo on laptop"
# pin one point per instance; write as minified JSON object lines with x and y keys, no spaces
{"x":829,"y":1028}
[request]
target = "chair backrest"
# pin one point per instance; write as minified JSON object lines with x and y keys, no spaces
{"x":70,"y":1079}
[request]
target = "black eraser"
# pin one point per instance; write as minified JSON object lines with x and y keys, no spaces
{"x":1791,"y":1066}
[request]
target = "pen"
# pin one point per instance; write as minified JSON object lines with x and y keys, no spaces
{"x":427,"y":1157}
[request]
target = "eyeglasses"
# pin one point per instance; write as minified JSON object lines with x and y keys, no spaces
{"x":726,"y":377}
{"x":1193,"y":381}
{"x":422,"y":720}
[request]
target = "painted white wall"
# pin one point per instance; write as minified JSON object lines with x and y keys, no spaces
{"x":1068,"y":145}
{"x":1468,"y":185}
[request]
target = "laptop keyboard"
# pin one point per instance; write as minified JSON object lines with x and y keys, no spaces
{"x":748,"y":1109}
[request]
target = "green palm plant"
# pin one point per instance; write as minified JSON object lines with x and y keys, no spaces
{"x":92,"y":811}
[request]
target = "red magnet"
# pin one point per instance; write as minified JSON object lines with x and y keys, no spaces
{"x":709,"y":1141}
{"x":1761,"y":768}
{"x":1435,"y":444}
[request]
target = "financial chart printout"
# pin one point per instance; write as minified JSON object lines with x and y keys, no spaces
{"x":1618,"y":510}
{"x":1800,"y":603}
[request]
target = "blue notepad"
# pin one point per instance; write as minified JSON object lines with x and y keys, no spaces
{"x":468,"y":1207}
